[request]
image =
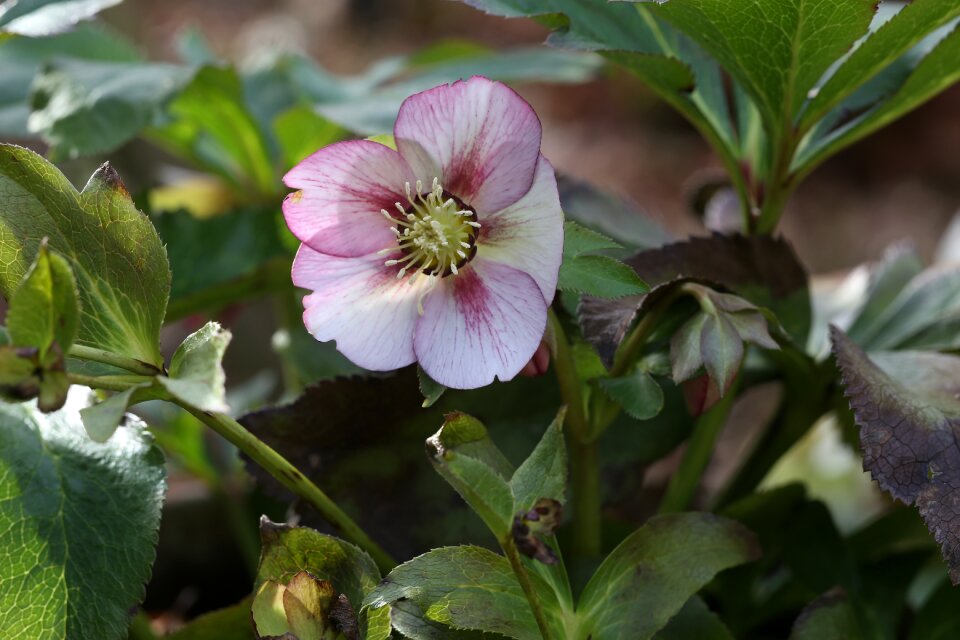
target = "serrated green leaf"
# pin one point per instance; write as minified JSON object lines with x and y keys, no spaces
{"x":657,"y":569}
{"x":880,"y":50}
{"x":578,"y":240}
{"x":487,"y":493}
{"x":638,"y":393}
{"x":544,"y":473}
{"x":82,"y":107}
{"x":196,"y":369}
{"x":936,"y":72}
{"x":45,"y":308}
{"x":464,"y":588}
{"x":79,"y":522}
{"x":45,"y":17}
{"x":777,"y":49}
{"x":430,"y":388}
{"x":600,"y":276}
{"x":114,"y":252}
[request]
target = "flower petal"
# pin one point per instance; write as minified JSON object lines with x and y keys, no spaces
{"x":342,"y":189}
{"x":478,"y":136}
{"x":528,"y":235}
{"x":484,"y":323}
{"x":359,"y":303}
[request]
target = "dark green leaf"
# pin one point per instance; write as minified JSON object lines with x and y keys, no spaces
{"x":115,"y":253}
{"x":763,"y":270}
{"x":46,"y":17}
{"x":722,"y":350}
{"x":829,"y":617}
{"x":777,"y":49}
{"x":694,"y":622}
{"x":906,"y":405}
{"x":882,"y":49}
{"x":464,"y":588}
{"x":638,"y":393}
{"x":937,"y":619}
{"x":406,"y":617}
{"x":599,"y":276}
{"x":578,"y":240}
{"x":657,"y":569}
{"x":231,"y":623}
{"x":45,"y":309}
{"x":79,"y":522}
{"x":544,"y":473}
{"x":82,"y":107}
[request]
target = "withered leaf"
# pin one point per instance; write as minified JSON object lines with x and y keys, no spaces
{"x":762,"y":269}
{"x":907,"y":406}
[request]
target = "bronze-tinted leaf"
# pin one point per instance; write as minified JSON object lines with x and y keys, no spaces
{"x":763,"y":270}
{"x":907,"y":406}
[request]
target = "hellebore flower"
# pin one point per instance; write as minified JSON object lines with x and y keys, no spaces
{"x":444,"y":251}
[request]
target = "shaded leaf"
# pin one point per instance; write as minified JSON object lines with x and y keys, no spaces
{"x":45,"y":17}
{"x":906,"y":405}
{"x":695,"y":622}
{"x":763,"y":270}
{"x":196,"y":370}
{"x":722,"y":350}
{"x":407,"y":618}
{"x":937,"y":618}
{"x":102,"y":419}
{"x":231,"y":623}
{"x":430,"y":388}
{"x":79,"y":522}
{"x":599,"y":276}
{"x":114,"y":251}
{"x":83,"y":107}
{"x":637,"y":393}
{"x":464,"y":588}
{"x":544,"y":473}
{"x":829,"y":617}
{"x":45,"y":309}
{"x":657,"y":569}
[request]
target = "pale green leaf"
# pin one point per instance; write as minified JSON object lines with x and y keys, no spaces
{"x":45,"y":17}
{"x":196,"y":369}
{"x":45,"y":308}
{"x":301,"y":131}
{"x":114,"y":251}
{"x":653,"y":573}
{"x":79,"y":524}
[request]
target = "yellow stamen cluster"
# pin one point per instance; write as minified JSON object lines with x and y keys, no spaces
{"x":435,"y":232}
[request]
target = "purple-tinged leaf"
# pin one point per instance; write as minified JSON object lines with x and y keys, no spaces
{"x":722,"y":350}
{"x":763,"y":270}
{"x":907,"y":405}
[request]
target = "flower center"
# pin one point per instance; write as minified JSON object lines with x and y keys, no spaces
{"x":436,"y":232}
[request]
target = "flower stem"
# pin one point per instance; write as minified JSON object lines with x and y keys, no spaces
{"x":516,"y":563}
{"x":110,"y":383}
{"x":290,"y":477}
{"x":106,"y":357}
{"x":584,"y":455}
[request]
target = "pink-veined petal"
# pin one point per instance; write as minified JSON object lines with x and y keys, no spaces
{"x":341,"y":190}
{"x":484,"y":323}
{"x":528,"y":235}
{"x":478,"y":136}
{"x":359,"y":303}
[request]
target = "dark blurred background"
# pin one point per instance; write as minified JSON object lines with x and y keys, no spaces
{"x":903,"y":183}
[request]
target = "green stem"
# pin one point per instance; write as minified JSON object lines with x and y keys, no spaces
{"x":290,"y":477}
{"x":106,"y":357}
{"x":584,"y":455}
{"x":510,"y":550}
{"x":109,"y":383}
{"x":684,"y":482}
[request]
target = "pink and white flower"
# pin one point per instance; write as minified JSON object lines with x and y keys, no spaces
{"x":444,"y":251}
